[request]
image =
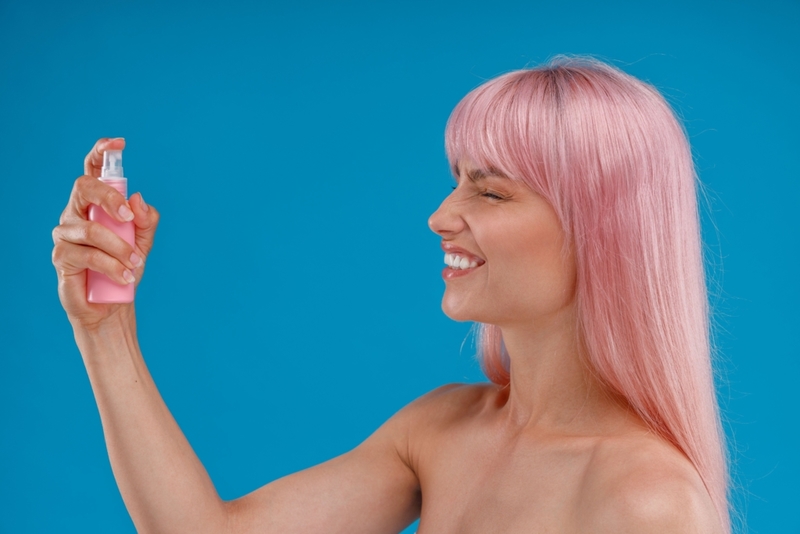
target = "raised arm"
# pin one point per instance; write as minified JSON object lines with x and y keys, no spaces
{"x":164,"y":485}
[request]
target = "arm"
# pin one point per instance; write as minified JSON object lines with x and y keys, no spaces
{"x":367,"y":490}
{"x":167,"y":489}
{"x":164,"y":485}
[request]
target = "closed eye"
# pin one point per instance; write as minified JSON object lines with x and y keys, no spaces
{"x":491,"y":195}
{"x":487,"y":194}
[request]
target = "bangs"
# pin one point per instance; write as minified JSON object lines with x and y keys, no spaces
{"x":507,"y":125}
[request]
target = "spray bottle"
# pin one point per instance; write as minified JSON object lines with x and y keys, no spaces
{"x":100,"y":288}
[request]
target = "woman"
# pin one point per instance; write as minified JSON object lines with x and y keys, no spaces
{"x":572,"y":236}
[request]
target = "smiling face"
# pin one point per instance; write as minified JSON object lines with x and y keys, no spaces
{"x":513,"y":238}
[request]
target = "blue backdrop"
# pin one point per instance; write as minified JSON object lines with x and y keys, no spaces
{"x":295,"y":151}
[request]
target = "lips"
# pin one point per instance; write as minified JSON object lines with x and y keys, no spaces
{"x":460,"y":261}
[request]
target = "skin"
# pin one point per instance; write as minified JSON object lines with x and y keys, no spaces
{"x":551,"y":452}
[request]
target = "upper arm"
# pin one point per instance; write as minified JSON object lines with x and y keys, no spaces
{"x":372,"y":488}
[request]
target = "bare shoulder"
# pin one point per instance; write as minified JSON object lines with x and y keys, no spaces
{"x":450,"y":404}
{"x":439,"y":410}
{"x":642,"y":483}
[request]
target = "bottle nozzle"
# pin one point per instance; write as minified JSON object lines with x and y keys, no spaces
{"x":112,"y":164}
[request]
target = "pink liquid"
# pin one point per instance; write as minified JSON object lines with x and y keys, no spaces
{"x":100,"y":289}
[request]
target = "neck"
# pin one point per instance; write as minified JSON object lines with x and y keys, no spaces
{"x":552,"y":389}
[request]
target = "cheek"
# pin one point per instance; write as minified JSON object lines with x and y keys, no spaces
{"x":526,"y":270}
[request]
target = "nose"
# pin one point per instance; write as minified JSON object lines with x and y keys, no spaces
{"x":446,"y":220}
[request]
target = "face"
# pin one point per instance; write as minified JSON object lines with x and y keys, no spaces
{"x":512,"y":241}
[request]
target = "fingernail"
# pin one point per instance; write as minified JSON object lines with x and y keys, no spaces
{"x":135,"y":259}
{"x":145,"y":207}
{"x":125,"y":213}
{"x":128,"y":276}
{"x":110,"y":140}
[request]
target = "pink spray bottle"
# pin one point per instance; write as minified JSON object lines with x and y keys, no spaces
{"x":101,"y":289}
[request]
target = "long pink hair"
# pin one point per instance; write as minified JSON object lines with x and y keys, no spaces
{"x":609,"y":154}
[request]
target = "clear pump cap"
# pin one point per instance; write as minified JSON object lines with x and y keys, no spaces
{"x":112,"y":164}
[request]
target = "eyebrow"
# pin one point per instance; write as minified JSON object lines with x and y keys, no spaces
{"x":479,"y":174}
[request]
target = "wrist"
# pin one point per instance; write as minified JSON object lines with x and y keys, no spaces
{"x":116,"y":333}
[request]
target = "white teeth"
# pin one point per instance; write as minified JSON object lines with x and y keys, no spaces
{"x":457,"y":262}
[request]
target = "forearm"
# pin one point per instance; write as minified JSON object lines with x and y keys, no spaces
{"x":164,"y":485}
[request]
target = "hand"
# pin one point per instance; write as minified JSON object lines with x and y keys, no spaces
{"x":81,"y":244}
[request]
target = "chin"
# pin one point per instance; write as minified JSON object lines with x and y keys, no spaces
{"x":460,"y":311}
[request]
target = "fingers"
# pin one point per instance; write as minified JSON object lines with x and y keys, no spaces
{"x":146,"y":220}
{"x":113,"y":255}
{"x":71,"y":259}
{"x":93,"y":163}
{"x":89,"y":190}
{"x":81,"y":244}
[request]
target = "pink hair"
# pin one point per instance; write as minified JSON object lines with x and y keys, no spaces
{"x":607,"y":152}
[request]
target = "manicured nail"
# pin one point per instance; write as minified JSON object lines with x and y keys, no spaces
{"x":125,"y":213}
{"x":128,"y":276}
{"x":135,"y":259}
{"x":145,"y":207}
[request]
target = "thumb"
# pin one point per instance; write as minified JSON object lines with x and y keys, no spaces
{"x":145,"y":219}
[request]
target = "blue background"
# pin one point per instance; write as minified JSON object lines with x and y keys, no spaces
{"x":295,"y":151}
